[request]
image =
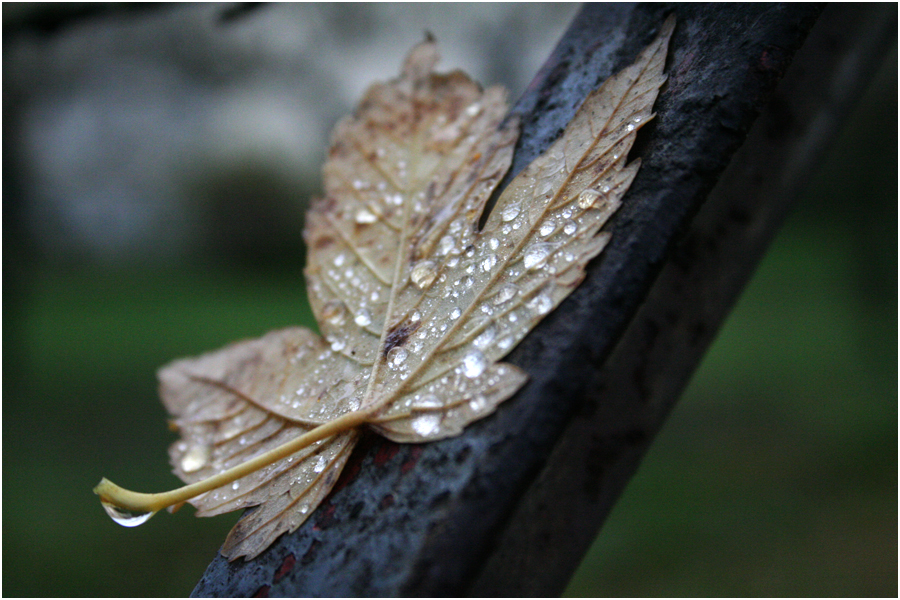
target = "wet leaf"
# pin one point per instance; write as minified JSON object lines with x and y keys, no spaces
{"x":416,"y":305}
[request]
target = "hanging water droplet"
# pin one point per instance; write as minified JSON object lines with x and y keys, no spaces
{"x":363,"y":318}
{"x":547,"y":228}
{"x":510,"y":212}
{"x":396,"y":356}
{"x":195,"y":458}
{"x":320,"y":464}
{"x":484,"y":339}
{"x":124,"y":516}
{"x":536,"y":255}
{"x":423,"y":274}
{"x":588,"y":198}
{"x":570,"y":227}
{"x":427,"y":424}
{"x":364,"y":215}
{"x":474,"y":364}
{"x":488,"y":263}
{"x":506,"y":293}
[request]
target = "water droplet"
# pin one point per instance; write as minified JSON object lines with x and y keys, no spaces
{"x":446,"y":245}
{"x":333,"y":312}
{"x":505,"y":343}
{"x":124,"y":516}
{"x":510,"y":212}
{"x":396,"y":356}
{"x":541,"y":304}
{"x":415,"y":316}
{"x":474,"y":364}
{"x":395,"y":199}
{"x":195,"y":458}
{"x":473,"y":109}
{"x":488,"y":263}
{"x":427,"y":424}
{"x":636,"y":119}
{"x":427,"y":401}
{"x":235,"y":485}
{"x":493,"y":243}
{"x":547,"y":228}
{"x":629,"y":127}
{"x":339,"y":260}
{"x":364,"y":215}
{"x":304,"y":508}
{"x":455,"y":313}
{"x":423,"y":274}
{"x":357,"y":184}
{"x":363,"y":318}
{"x":484,"y":339}
{"x":478,"y":403}
{"x":588,"y":198}
{"x":570,"y":227}
{"x":320,"y":464}
{"x":506,"y":293}
{"x":337,"y":345}
{"x":536,"y":255}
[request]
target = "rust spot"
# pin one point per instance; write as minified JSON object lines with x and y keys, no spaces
{"x":311,"y":553}
{"x":414,"y":454}
{"x":386,"y":452}
{"x":285,"y":568}
{"x":325,"y":518}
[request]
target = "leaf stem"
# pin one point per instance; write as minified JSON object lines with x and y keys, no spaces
{"x":137,"y":502}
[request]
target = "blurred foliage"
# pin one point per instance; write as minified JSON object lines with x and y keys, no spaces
{"x":776,"y":474}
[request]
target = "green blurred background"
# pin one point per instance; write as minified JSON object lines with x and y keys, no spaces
{"x":775,"y":475}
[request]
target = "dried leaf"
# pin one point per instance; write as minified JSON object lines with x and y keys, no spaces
{"x":415,"y":304}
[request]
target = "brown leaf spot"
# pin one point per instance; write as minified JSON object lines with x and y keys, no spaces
{"x":398,"y":335}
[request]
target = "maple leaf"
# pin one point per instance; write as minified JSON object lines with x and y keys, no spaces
{"x":415,"y":304}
